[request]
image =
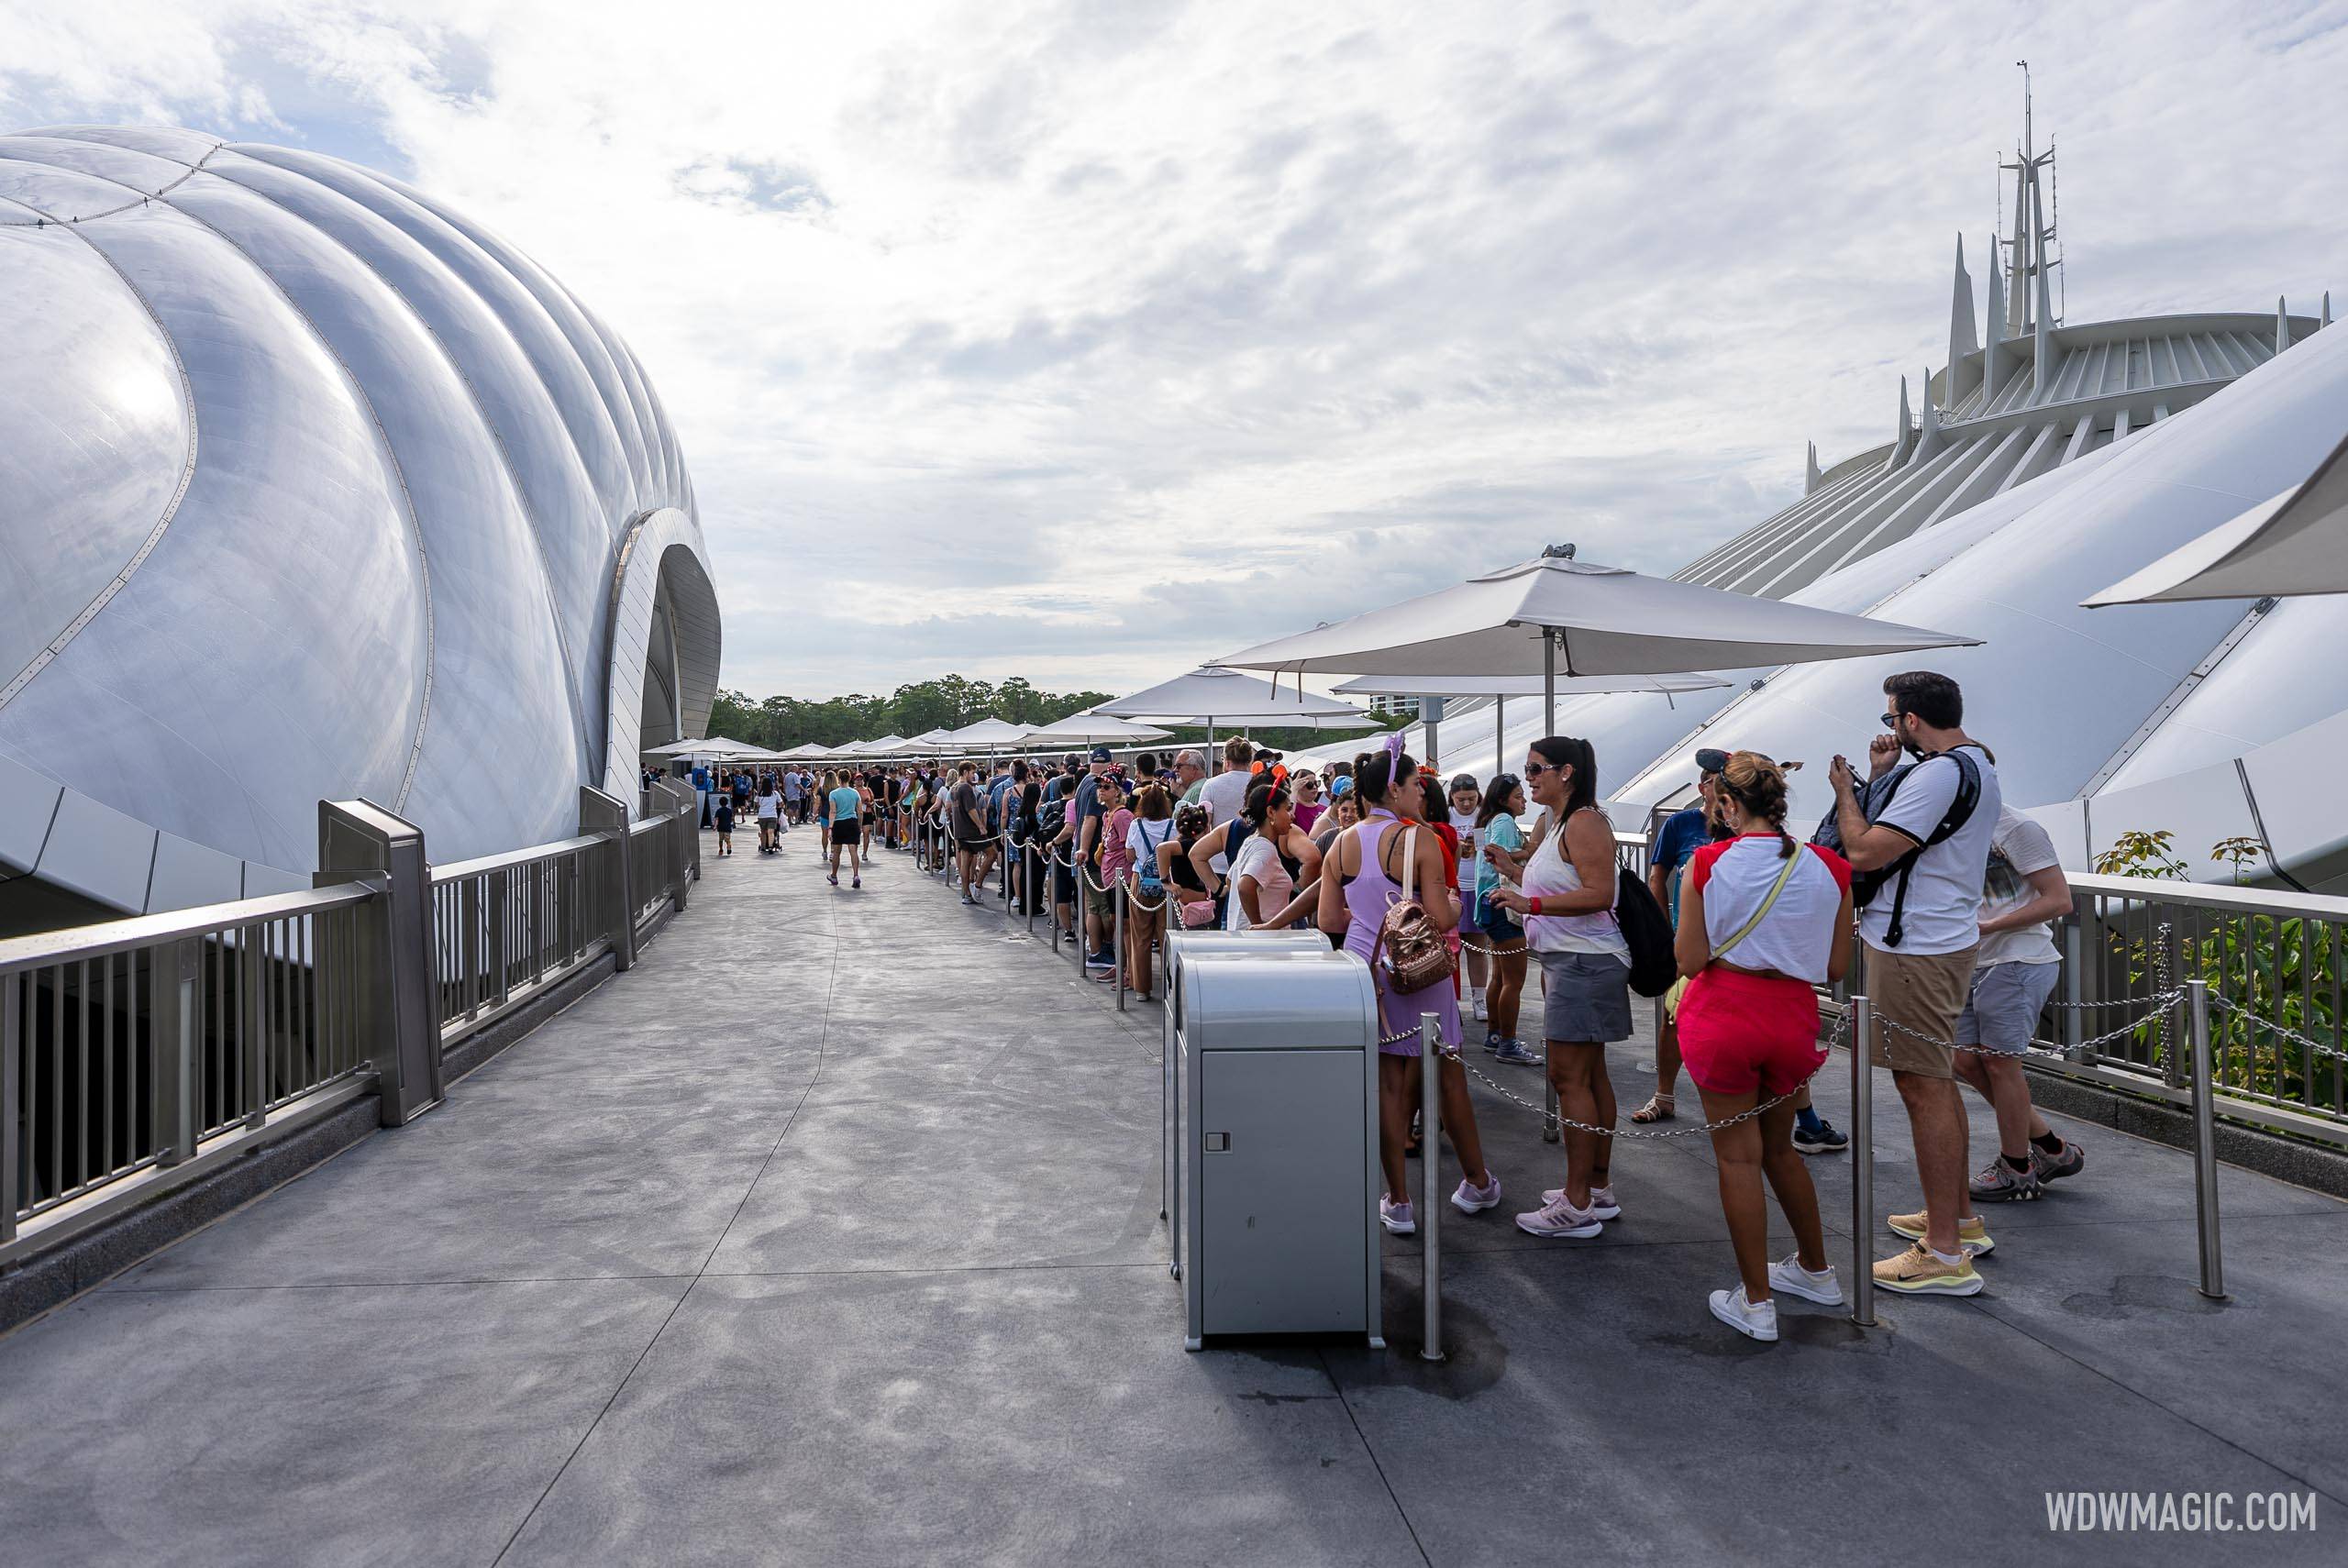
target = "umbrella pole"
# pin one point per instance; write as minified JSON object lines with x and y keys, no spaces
{"x":1499,"y":733}
{"x":1549,"y":680}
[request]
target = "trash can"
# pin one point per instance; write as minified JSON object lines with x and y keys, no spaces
{"x":1279,"y":1146}
{"x":1180,"y":946}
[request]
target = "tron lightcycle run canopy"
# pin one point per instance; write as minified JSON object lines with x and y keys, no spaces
{"x":312,"y":488}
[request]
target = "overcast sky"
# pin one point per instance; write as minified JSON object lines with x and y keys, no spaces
{"x":1086,"y":340}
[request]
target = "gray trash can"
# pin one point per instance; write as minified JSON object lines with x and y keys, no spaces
{"x":1278,"y":1144}
{"x":1180,"y":946}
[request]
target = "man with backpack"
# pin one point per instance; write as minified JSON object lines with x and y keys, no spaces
{"x":1917,"y":835}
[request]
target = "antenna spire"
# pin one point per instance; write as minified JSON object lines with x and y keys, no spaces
{"x":1811,"y":477}
{"x":1962,"y":336}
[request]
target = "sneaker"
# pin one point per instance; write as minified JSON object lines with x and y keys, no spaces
{"x":1098,"y":961}
{"x":833,"y":877}
{"x":1998,"y":1182}
{"x":1971,"y":1234}
{"x":1396,"y":1216}
{"x":967,"y":899}
{"x":1559,"y":1218}
{"x":852,"y":881}
{"x":1755,"y":1322}
{"x":1517,"y":1054}
{"x":1917,"y":1272}
{"x":1476,"y":1199}
{"x":2049,"y":1168}
{"x":1480,"y":1006}
{"x":1492,"y":1039}
{"x":1790,"y":1278}
{"x":1825,"y":1141}
{"x":1602,"y":1204}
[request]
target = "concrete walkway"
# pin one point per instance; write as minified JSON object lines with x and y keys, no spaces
{"x":829,"y":1235}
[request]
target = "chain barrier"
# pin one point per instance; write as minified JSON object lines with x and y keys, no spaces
{"x":2161,"y":1006}
{"x":2285,"y":1029}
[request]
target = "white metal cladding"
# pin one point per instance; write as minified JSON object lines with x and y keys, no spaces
{"x":308,"y":488}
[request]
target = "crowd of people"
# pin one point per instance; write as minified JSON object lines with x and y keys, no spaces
{"x":1450,"y":896}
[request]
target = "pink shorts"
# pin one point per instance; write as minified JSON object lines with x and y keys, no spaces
{"x":1740,"y":1033}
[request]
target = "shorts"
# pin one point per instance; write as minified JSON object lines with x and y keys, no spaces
{"x":1063,"y":884}
{"x":2002,"y":1008}
{"x":1099,"y":902}
{"x":1922,"y":994}
{"x":1495,"y":922}
{"x":1586,"y":997}
{"x":1742,"y":1034}
{"x":848,"y":830}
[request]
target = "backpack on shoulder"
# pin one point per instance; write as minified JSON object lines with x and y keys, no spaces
{"x":1874,"y":798}
{"x":1653,"y":965}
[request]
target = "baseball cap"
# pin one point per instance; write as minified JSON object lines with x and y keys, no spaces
{"x":1711,"y":759}
{"x":1100,"y":754}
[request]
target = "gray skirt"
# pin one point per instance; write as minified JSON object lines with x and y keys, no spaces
{"x":1586,"y":997}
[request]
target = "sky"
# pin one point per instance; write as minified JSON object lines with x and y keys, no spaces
{"x":1087,"y":340}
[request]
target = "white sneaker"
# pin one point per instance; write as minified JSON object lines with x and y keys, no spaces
{"x":1396,"y":1216}
{"x":1480,"y":1006}
{"x":1601,"y":1201}
{"x":1560,"y":1218}
{"x":1755,"y":1322}
{"x":1470,"y":1199}
{"x":1793,"y":1279}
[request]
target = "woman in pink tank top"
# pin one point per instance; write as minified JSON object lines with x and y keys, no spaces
{"x":1360,"y":879}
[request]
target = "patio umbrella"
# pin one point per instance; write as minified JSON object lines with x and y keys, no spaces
{"x":1563,"y":616}
{"x":1089,"y":728}
{"x":716,"y":746}
{"x":987,"y":735}
{"x":1501,"y":688}
{"x":2293,"y":543}
{"x":1207,"y":697}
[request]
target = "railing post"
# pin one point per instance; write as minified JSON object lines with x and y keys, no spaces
{"x":253,"y":953}
{"x":1431,"y":1183}
{"x":684,"y":859}
{"x":605,"y":816}
{"x":2074,"y":944}
{"x":1862,"y":1162}
{"x":1027,"y":883}
{"x":2205,"y":1142}
{"x":500,"y":932}
{"x":398,"y":1027}
{"x":171,"y":1021}
{"x":1117,"y":939}
{"x":12,"y":990}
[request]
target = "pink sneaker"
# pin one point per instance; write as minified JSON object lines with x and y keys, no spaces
{"x":1559,"y":1218}
{"x":1397,"y":1217}
{"x":1476,"y":1199}
{"x":1601,"y":1201}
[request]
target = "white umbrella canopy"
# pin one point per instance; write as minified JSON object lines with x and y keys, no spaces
{"x":1582,"y":619}
{"x":987,"y":735}
{"x":715,"y":746}
{"x":1089,"y":728}
{"x":927,"y":742}
{"x":1210,"y":696}
{"x":2293,"y":543}
{"x":1519,"y":685}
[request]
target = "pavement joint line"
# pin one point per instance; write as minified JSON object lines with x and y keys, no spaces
{"x":1981,"y":1307}
{"x":1371,"y":1452}
{"x":831,"y":990}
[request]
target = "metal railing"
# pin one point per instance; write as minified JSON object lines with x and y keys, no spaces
{"x":134,"y":1052}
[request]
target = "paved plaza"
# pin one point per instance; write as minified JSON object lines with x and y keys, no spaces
{"x":829,"y":1235}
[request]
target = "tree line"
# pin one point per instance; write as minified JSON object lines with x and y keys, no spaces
{"x":949,"y":703}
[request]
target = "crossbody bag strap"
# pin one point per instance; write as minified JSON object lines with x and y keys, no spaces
{"x":1741,"y":932}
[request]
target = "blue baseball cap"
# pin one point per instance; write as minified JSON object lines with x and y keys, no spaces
{"x":1100,"y":754}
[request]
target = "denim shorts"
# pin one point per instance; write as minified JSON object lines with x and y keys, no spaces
{"x":2002,"y":1006}
{"x":1586,"y":997}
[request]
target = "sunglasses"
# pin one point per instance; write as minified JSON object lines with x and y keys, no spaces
{"x":1890,"y":721}
{"x":1534,"y":769}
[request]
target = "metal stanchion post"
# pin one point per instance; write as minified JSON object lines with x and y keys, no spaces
{"x":1117,"y":940}
{"x":1027,"y":882}
{"x":2205,"y":1141}
{"x":1431,"y":1182}
{"x":1862,"y":1163}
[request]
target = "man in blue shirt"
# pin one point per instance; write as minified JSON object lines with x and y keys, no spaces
{"x":1682,"y":833}
{"x":1089,"y":817}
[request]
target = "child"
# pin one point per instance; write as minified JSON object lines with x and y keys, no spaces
{"x":725,"y":824}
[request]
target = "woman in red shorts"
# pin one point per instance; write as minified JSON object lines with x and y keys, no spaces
{"x":1762,"y":920}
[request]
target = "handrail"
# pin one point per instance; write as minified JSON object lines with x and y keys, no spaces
{"x":2221,"y":896}
{"x":506,"y":860}
{"x":643,"y":825}
{"x":19,"y":953}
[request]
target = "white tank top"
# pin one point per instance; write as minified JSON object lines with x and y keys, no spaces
{"x":1549,"y":874}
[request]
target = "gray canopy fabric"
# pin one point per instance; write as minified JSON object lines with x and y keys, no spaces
{"x":1519,"y":685}
{"x":2293,"y":543}
{"x":1596,"y":620}
{"x":1211,"y":697}
{"x":987,"y":735}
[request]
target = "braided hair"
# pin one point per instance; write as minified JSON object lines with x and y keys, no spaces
{"x":1758,"y":787}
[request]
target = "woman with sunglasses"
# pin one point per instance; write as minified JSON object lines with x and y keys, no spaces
{"x":1497,"y":829}
{"x":1362,"y":877}
{"x":1567,"y":902}
{"x":1305,"y":787}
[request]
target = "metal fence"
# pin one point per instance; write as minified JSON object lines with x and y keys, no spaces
{"x":134,"y":1052}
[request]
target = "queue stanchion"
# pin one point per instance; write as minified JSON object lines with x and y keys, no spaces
{"x":1117,"y":939}
{"x":2205,"y":1141}
{"x":1027,"y":874}
{"x":1862,"y":1160}
{"x":1431,"y":1183}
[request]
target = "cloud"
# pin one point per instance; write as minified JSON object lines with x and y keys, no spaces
{"x":1084,"y":339}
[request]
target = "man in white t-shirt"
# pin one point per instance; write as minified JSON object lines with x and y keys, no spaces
{"x":1918,"y":942}
{"x":2012,"y":976}
{"x":1226,"y":794}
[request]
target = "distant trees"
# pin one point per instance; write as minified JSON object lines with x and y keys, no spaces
{"x":947,"y":703}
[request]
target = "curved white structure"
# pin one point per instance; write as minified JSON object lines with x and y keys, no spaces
{"x":2044,"y":464}
{"x":311,"y":488}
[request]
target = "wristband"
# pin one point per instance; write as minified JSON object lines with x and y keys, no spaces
{"x":1536,"y":907}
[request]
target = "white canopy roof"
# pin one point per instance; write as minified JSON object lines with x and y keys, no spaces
{"x":716,"y":746}
{"x":2293,"y":543}
{"x":1606,"y":621}
{"x":1212,"y":697}
{"x":987,"y":735}
{"x":1519,"y":685}
{"x":1089,"y":728}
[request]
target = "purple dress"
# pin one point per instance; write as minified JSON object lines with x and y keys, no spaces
{"x":1368,"y":897}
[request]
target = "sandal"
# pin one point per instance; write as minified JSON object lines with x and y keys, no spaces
{"x":1658,"y":1107}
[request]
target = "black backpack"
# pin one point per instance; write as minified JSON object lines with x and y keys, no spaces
{"x":1874,"y":796}
{"x":1653,"y":965}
